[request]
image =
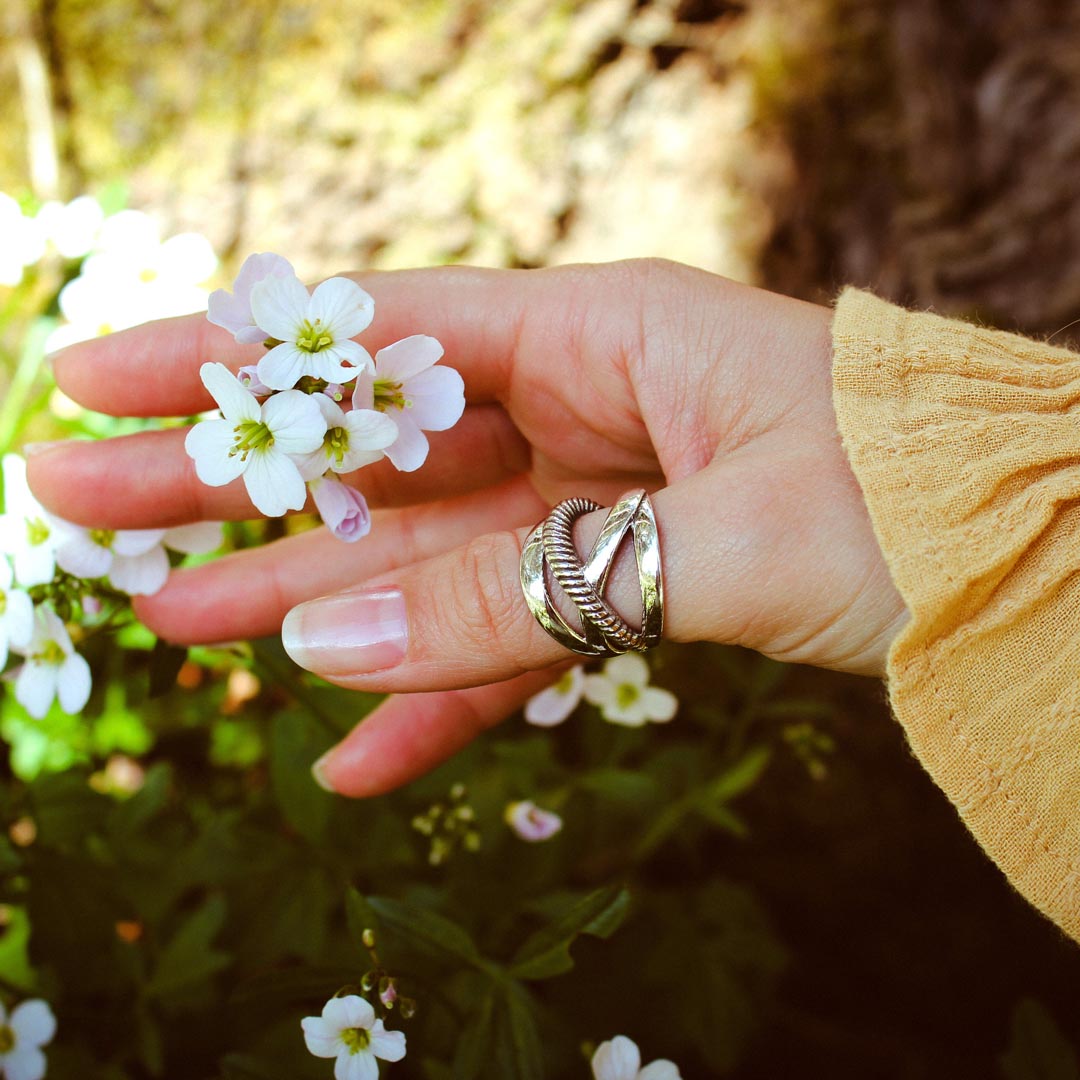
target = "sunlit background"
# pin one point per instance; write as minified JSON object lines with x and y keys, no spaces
{"x":929,"y":151}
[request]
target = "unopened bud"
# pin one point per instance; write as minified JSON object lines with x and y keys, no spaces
{"x":387,"y":991}
{"x":368,"y":980}
{"x":458,"y":792}
{"x":368,"y":938}
{"x":407,"y":1008}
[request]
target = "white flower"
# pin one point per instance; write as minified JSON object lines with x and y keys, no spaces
{"x":22,"y":243}
{"x":72,"y":227}
{"x":232,"y":310}
{"x":254,"y":441}
{"x":348,"y":1031}
{"x":620,"y":1059}
{"x":27,"y":532}
{"x":353,"y":439}
{"x":52,"y":668}
{"x":344,"y":511}
{"x":624,"y":696}
{"x":30,"y":1027}
{"x":16,"y":613}
{"x":556,"y":702}
{"x":414,"y":393}
{"x":134,"y":560}
{"x":314,"y":330}
{"x":531,"y":823}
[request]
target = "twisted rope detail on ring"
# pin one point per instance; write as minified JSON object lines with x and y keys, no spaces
{"x":603,"y":632}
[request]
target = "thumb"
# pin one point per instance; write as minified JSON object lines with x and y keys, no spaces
{"x":745,"y":562}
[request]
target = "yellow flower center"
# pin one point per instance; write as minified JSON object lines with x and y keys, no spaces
{"x":7,"y":1039}
{"x":103,"y":537}
{"x":336,"y":443}
{"x":566,"y":683}
{"x":388,"y":395}
{"x":356,"y":1039}
{"x":626,"y":694}
{"x":313,"y":336}
{"x":3,"y":602}
{"x":250,"y":435}
{"x":51,"y":653}
{"x":37,"y":532}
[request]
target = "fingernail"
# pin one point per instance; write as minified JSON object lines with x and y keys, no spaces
{"x":318,"y":771}
{"x":355,"y":633}
{"x":32,"y":448}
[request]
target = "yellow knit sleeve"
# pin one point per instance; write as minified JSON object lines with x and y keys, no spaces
{"x":966,"y":443}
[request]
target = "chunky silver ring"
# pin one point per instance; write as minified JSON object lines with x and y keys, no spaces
{"x":550,"y":546}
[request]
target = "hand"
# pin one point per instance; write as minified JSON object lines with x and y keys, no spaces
{"x":583,"y":380}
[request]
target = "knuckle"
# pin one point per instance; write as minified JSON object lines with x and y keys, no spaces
{"x":489,"y":599}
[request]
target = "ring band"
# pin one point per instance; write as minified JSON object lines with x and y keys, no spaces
{"x":550,"y":546}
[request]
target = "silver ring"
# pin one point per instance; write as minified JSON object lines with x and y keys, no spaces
{"x":550,"y":546}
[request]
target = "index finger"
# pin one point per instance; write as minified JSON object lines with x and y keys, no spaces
{"x":153,"y":369}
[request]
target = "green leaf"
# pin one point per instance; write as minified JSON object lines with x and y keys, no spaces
{"x":165,"y":663}
{"x":725,"y":818}
{"x":296,"y":742}
{"x":427,"y":932}
{"x":740,"y":777}
{"x":1038,"y":1050}
{"x":518,"y":1051}
{"x":621,"y":785}
{"x":474,"y":1044}
{"x":190,"y":957}
{"x":547,"y":952}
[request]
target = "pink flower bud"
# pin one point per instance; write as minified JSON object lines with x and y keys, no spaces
{"x":248,"y":377}
{"x":530,"y":822}
{"x":343,"y":509}
{"x":334,"y":391}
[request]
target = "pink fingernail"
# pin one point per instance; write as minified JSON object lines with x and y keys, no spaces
{"x":318,"y":771}
{"x":355,"y":633}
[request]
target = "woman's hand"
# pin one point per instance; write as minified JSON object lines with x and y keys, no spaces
{"x":582,"y":380}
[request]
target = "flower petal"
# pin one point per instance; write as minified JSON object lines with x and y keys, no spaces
{"x":630,"y":668}
{"x":370,"y":430}
{"x":140,"y":575}
{"x":618,"y":1059}
{"x":233,"y":400}
{"x":438,"y":398}
{"x":661,"y":1069}
{"x":554,"y":705}
{"x":296,"y":421}
{"x":599,"y":690}
{"x":322,"y":1039}
{"x":410,"y":449}
{"x":35,"y":564}
{"x":350,"y":1011}
{"x":363,"y":396}
{"x":407,"y":357}
{"x":344,"y":308}
{"x":274,"y":483}
{"x":279,"y":305}
{"x":80,"y":556}
{"x":136,"y":541}
{"x":35,"y":688}
{"x":660,"y":705}
{"x":340,"y":363}
{"x":361,"y":1066}
{"x":6,"y":574}
{"x":33,"y":1023}
{"x":73,"y":683}
{"x":19,"y":618}
{"x":388,"y":1045}
{"x":26,"y":1063}
{"x":283,"y":366}
{"x":208,"y":444}
{"x":199,"y":538}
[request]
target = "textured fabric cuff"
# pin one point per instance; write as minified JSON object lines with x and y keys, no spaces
{"x":966,"y":443}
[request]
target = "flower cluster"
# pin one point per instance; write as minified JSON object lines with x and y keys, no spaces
{"x":450,"y":826}
{"x":54,"y":573}
{"x":282,"y":426}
